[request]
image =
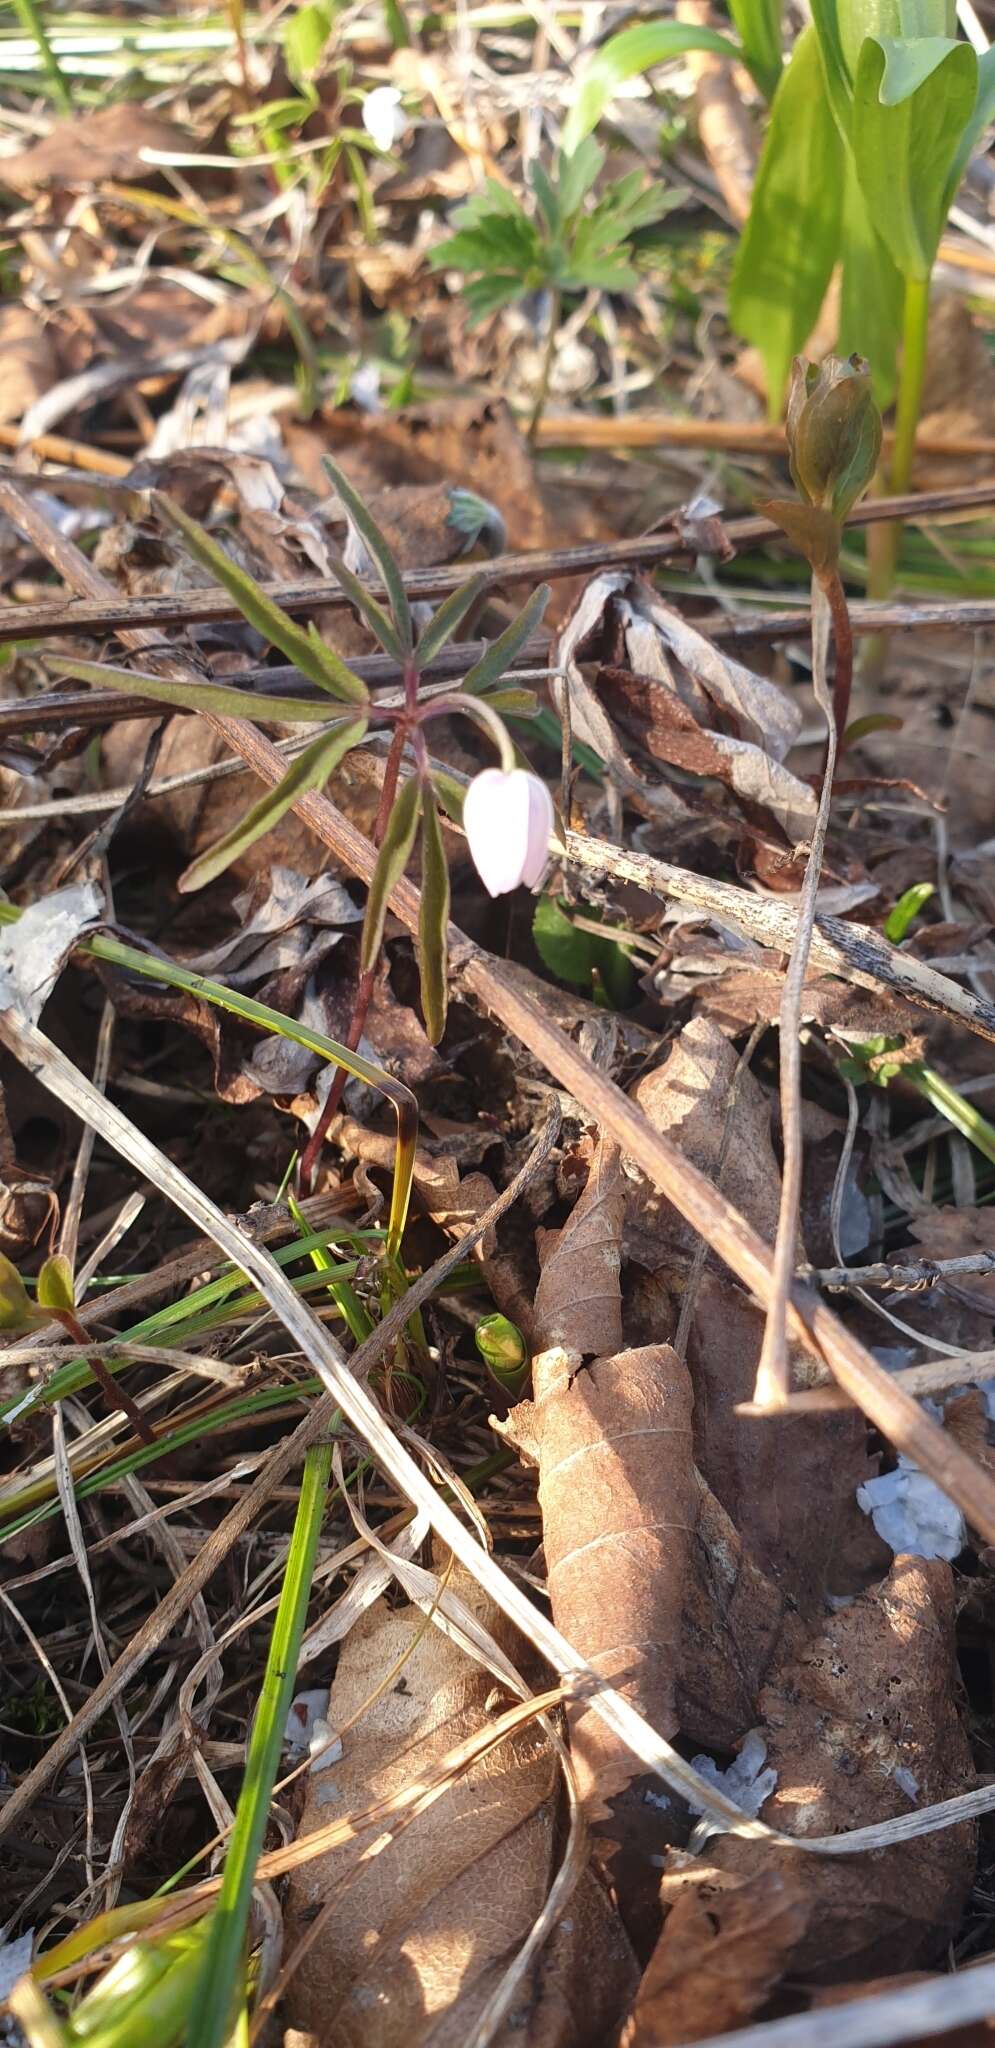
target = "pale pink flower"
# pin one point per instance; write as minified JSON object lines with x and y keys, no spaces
{"x":508,"y":819}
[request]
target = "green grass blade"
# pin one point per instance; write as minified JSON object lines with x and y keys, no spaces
{"x":365,"y":524}
{"x":221,"y":1974}
{"x":319,"y":663}
{"x":311,"y":770}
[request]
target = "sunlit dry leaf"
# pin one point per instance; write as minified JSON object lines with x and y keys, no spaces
{"x":613,"y":1445}
{"x":579,"y":1300}
{"x":717,"y":1959}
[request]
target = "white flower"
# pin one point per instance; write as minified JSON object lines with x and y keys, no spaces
{"x":508,"y":818}
{"x":383,"y":117}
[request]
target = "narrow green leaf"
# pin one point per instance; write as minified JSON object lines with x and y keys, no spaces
{"x":829,"y":20}
{"x":379,"y":621}
{"x":443,"y":623}
{"x":577,"y":169}
{"x":872,"y":293}
{"x":904,"y":153}
{"x":319,"y":663}
{"x":17,"y":1310}
{"x":55,"y":1289}
{"x":791,"y":240}
{"x":363,"y":519}
{"x":450,"y":793}
{"x":626,"y":55}
{"x":192,"y":696}
{"x":503,"y":650}
{"x":392,"y":860}
{"x":759,"y":25}
{"x":310,"y":771}
{"x":221,"y":1977}
{"x":433,"y":922}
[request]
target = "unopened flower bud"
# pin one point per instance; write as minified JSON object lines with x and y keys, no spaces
{"x":508,"y":818}
{"x":834,"y":432}
{"x":502,"y":1346}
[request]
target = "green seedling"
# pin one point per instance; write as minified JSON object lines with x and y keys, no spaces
{"x":903,"y":914}
{"x":564,"y":241}
{"x":879,"y":1061}
{"x":871,"y":130}
{"x":504,"y":1351}
{"x":407,"y":808}
{"x":577,"y":952}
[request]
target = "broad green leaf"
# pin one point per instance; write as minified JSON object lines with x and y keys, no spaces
{"x":443,"y":623}
{"x":872,"y":294}
{"x":392,"y":860}
{"x":486,"y":294}
{"x":908,"y":21}
{"x":215,"y":697}
{"x":304,"y":37}
{"x":577,"y":169}
{"x":433,"y":922}
{"x":310,"y":771}
{"x":635,"y":50}
{"x":904,"y":153}
{"x":791,"y":240}
{"x":908,"y":65}
{"x":981,"y":117}
{"x":503,"y":650}
{"x":836,"y":71}
{"x":759,"y":25}
{"x":319,"y":663}
{"x":380,"y":623}
{"x":55,"y":1289}
{"x":581,"y":957}
{"x":547,"y":197}
{"x":364,"y":521}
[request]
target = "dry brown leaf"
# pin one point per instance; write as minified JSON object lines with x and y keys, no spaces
{"x":718,"y":1958}
{"x":734,"y":1624}
{"x":423,"y":1933}
{"x":861,"y":1726}
{"x":613,"y":1445}
{"x":89,"y":148}
{"x":687,"y":1099}
{"x":578,"y":1302}
{"x":670,"y":732}
{"x":30,"y":365}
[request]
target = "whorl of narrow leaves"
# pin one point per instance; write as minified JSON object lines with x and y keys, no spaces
{"x":311,"y":770}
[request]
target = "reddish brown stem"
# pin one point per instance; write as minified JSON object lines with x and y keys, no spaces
{"x":114,"y":1394}
{"x":843,"y":644}
{"x":364,"y":986}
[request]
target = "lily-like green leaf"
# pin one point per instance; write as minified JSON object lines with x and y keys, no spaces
{"x":503,"y":650}
{"x":17,"y":1310}
{"x":981,"y":118}
{"x":310,"y":771}
{"x":217,"y":697}
{"x":319,"y":663}
{"x":791,"y":240}
{"x":872,"y":293}
{"x":392,"y":860}
{"x":759,"y":26}
{"x":626,"y":55}
{"x":837,"y":35}
{"x":433,"y":922}
{"x":443,"y":623}
{"x":55,"y":1289}
{"x":904,"y":152}
{"x":363,"y":520}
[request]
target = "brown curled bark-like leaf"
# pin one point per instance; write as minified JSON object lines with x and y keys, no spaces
{"x":579,"y":1298}
{"x":619,"y":1502}
{"x":719,"y":1956}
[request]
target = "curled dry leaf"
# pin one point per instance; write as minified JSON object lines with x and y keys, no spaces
{"x":789,"y":1485}
{"x":735,"y":1623}
{"x":613,"y":1445}
{"x":578,"y":1302}
{"x":422,"y":1933}
{"x":721,"y":1953}
{"x":861,"y":1726}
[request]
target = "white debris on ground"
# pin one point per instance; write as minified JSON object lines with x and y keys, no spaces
{"x":912,"y":1514}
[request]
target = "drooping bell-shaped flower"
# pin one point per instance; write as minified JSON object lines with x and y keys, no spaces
{"x":508,"y":818}
{"x":383,"y":116}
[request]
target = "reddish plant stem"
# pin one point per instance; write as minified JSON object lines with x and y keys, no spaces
{"x":365,"y":984}
{"x":843,"y":645}
{"x":114,"y":1394}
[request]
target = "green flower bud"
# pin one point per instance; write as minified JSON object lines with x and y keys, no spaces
{"x":503,"y":1348}
{"x":834,"y":432}
{"x":17,"y":1310}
